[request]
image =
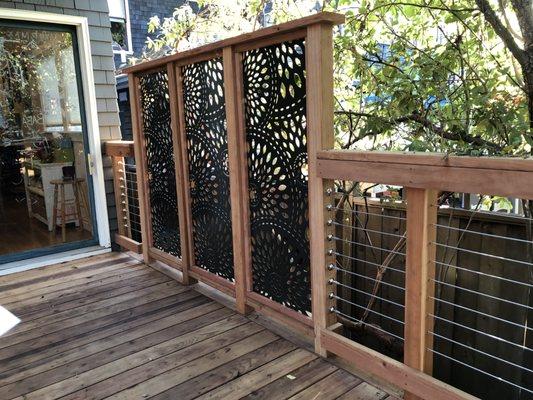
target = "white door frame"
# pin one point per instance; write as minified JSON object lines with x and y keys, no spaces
{"x":89,"y":98}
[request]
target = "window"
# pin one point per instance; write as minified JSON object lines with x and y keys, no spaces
{"x":120,"y":25}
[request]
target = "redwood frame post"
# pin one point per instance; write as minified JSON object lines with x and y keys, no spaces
{"x":320,"y":136}
{"x":179,"y":144}
{"x":419,"y":274}
{"x":140,"y":159}
{"x":238,"y":175}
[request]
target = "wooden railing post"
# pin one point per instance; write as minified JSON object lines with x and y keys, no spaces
{"x":320,"y":136}
{"x":419,"y":285}
{"x":238,"y":176}
{"x":179,"y":143}
{"x":140,"y":163}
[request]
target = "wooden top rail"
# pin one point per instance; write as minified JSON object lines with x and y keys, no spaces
{"x":119,"y":148}
{"x":484,"y":175}
{"x":276,"y":31}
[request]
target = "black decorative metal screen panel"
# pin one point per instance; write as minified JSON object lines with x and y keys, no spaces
{"x":275,"y":113}
{"x":207,"y":146}
{"x":155,"y":106}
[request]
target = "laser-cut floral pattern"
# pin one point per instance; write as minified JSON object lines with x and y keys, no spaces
{"x":207,"y":145}
{"x":275,"y":113}
{"x":157,"y":132}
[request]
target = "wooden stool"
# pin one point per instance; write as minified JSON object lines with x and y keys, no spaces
{"x":59,"y":186}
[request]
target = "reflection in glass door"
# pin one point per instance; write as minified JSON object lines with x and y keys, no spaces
{"x":45,"y":191}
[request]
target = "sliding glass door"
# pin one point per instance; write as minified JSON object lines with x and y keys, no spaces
{"x":46,"y":201}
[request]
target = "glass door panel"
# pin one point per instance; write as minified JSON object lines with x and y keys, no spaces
{"x":45,"y":191}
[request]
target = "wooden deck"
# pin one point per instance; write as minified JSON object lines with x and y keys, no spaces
{"x":110,"y":327}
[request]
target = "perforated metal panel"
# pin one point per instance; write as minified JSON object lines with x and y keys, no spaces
{"x":275,"y":113}
{"x":157,"y":132}
{"x":207,"y":146}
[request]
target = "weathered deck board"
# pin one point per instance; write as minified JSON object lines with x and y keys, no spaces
{"x":110,"y":327}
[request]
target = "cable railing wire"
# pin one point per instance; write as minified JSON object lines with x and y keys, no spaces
{"x":373,"y":326}
{"x":482,"y":294}
{"x":483,"y":254}
{"x":480,"y":370}
{"x":332,"y":237}
{"x":366,"y":309}
{"x":366,"y":213}
{"x":529,"y":242}
{"x":481,"y":352}
{"x":522,"y":327}
{"x":369,"y":278}
{"x":332,"y":222}
{"x":367,"y":262}
{"x":494,"y":337}
{"x":333,"y":281}
{"x":443,"y":265}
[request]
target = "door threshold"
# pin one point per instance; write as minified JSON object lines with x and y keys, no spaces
{"x":24,"y":265}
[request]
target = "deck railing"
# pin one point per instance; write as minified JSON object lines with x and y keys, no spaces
{"x":236,"y":179}
{"x":481,"y":329}
{"x":126,"y":198}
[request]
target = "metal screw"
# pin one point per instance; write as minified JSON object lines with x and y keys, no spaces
{"x":329,"y":191}
{"x":331,"y":267}
{"x":330,"y":222}
{"x":331,"y":295}
{"x":330,"y":238}
{"x":331,"y":281}
{"x":332,"y":309}
{"x":329,"y":207}
{"x":330,"y":252}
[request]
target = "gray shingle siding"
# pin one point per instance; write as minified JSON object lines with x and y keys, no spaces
{"x":97,"y":15}
{"x":140,"y":14}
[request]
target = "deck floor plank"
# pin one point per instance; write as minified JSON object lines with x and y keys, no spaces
{"x":110,"y":327}
{"x":294,"y":382}
{"x":110,"y":288}
{"x":331,"y":387}
{"x":110,"y":342}
{"x":67,"y":336}
{"x":227,"y":372}
{"x":99,"y":299}
{"x":50,"y":282}
{"x":364,"y":391}
{"x":35,"y":331}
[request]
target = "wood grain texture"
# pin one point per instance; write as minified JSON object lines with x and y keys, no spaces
{"x":419,"y":277}
{"x":502,"y":182}
{"x":182,"y":180}
{"x":119,"y":148}
{"x":238,"y":175}
{"x":134,"y":333}
{"x":395,"y":372}
{"x":319,"y":83}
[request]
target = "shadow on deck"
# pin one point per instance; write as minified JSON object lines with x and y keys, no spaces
{"x":109,"y":326}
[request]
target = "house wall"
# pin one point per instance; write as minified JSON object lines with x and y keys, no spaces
{"x":97,"y":14}
{"x":140,"y":14}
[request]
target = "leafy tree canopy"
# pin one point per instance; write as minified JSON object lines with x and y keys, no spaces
{"x":452,"y":76}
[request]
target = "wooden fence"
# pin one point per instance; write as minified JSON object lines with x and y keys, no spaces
{"x":235,"y":168}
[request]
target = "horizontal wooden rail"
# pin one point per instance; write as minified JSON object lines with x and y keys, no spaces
{"x":119,"y":148}
{"x":395,"y":372}
{"x":430,"y":159}
{"x":493,"y":176}
{"x":128,"y":243}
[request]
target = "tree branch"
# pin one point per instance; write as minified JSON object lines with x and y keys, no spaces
{"x":421,"y":120}
{"x":502,"y":32}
